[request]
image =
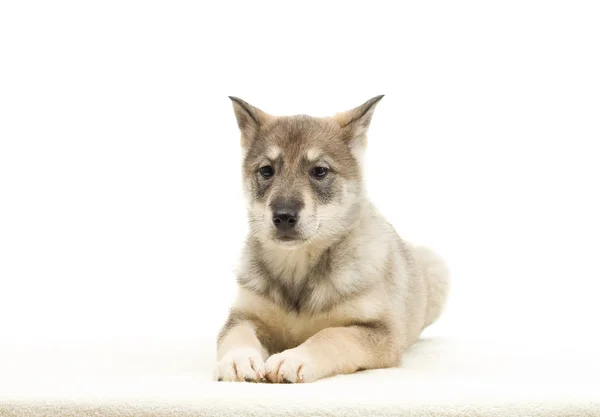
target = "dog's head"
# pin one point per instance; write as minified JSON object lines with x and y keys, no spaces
{"x":302,"y":174}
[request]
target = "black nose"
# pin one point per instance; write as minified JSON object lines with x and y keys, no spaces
{"x":285,"y":219}
{"x":285,"y":214}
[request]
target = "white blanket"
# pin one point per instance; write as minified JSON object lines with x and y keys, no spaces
{"x":440,"y":377}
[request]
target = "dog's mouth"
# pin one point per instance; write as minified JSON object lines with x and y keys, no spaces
{"x":288,"y":238}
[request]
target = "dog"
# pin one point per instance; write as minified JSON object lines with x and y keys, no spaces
{"x":326,"y":285}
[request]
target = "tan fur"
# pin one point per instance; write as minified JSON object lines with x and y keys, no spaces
{"x":313,"y":154}
{"x":346,"y":293}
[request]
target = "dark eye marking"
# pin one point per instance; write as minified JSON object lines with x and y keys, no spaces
{"x":319,"y":172}
{"x":266,"y":171}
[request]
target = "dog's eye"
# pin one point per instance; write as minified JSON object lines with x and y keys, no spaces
{"x":266,"y":171}
{"x":319,"y":172}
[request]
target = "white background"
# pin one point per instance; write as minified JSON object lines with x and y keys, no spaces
{"x":121,"y":213}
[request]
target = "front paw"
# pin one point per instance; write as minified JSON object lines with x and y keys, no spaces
{"x":290,"y":366}
{"x":241,"y":364}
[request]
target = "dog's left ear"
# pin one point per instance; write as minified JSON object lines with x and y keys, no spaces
{"x":249,"y":119}
{"x":355,"y":122}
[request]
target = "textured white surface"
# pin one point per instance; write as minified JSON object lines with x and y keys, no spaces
{"x":440,"y":377}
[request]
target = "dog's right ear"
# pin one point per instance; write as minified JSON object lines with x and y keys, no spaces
{"x":249,"y":119}
{"x":356,"y":122}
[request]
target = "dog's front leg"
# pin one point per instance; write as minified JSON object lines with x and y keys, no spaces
{"x":336,"y":350}
{"x":240,"y":355}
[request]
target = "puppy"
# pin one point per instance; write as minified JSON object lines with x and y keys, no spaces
{"x":326,"y":286}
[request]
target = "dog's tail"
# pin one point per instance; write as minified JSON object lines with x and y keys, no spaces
{"x":437,"y":282}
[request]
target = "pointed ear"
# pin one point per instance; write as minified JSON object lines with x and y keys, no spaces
{"x":249,"y":119}
{"x":356,"y":122}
